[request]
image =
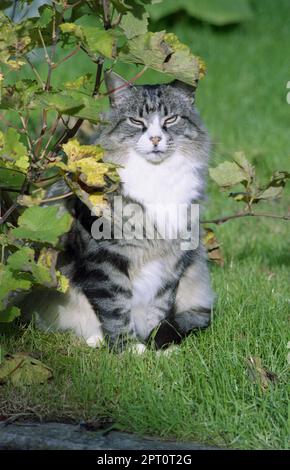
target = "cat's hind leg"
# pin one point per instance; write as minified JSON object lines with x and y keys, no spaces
{"x":194,"y":298}
{"x":56,"y":311}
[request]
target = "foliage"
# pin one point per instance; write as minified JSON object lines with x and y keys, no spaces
{"x":242,"y":173}
{"x":107,"y":32}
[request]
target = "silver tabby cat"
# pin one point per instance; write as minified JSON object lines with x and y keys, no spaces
{"x":122,"y":289}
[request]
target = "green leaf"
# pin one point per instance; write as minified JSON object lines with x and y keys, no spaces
{"x":79,"y":82}
{"x":270,"y":193}
{"x":45,"y":16}
{"x":216,"y":12}
{"x":227,"y":174}
{"x":98,"y":40}
{"x":133,"y":26}
{"x":21,"y":259}
{"x":120,"y":6}
{"x":42,"y":224}
{"x":62,"y":102}
{"x":71,"y":103}
{"x":163,"y":52}
{"x":9,"y":314}
{"x":245,"y":165}
{"x":274,"y":188}
{"x":11,"y":282}
{"x":43,"y":271}
{"x":279,"y":178}
{"x":10,"y":179}
{"x":19,"y":95}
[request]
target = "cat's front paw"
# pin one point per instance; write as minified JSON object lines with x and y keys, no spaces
{"x":95,"y":341}
{"x":137,"y":348}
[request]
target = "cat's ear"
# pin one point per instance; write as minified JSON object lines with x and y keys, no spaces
{"x":188,"y":90}
{"x":118,"y":88}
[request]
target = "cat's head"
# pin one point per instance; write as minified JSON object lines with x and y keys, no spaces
{"x":152,"y":120}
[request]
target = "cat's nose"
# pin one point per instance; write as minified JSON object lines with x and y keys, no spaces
{"x":155,"y":140}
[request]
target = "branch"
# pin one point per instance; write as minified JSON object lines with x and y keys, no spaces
{"x":129,"y":82}
{"x":117,"y":20}
{"x":8,"y":213}
{"x":15,"y":204}
{"x":71,"y":54}
{"x":106,"y":14}
{"x":51,"y":131}
{"x":35,"y":71}
{"x":237,"y":215}
{"x":29,"y":142}
{"x":49,"y":60}
{"x":57,"y":198}
{"x":69,"y":133}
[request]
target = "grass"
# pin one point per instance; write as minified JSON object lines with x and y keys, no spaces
{"x":203,"y":391}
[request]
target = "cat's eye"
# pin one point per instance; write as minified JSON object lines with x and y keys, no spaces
{"x":136,"y":122}
{"x":171,"y":120}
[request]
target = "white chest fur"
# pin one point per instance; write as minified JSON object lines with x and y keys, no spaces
{"x":164,"y":189}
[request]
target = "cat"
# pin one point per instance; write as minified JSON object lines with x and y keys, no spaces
{"x":146,"y":290}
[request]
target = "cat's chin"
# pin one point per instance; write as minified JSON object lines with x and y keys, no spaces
{"x":155,"y":157}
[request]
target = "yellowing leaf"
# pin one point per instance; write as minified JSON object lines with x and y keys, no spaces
{"x":21,"y":369}
{"x":12,"y":152}
{"x":47,"y":260}
{"x":62,"y":282}
{"x":97,"y":199}
{"x":92,"y":172}
{"x":75,"y":151}
{"x":98,"y":203}
{"x":85,"y":161}
{"x":212,"y":245}
{"x":259,"y":374}
{"x":78,"y":82}
{"x":164,"y":52}
{"x":33,"y":200}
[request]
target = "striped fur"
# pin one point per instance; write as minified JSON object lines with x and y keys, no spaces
{"x":133,"y":286}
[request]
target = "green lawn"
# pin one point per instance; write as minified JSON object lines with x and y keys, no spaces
{"x":204,"y":390}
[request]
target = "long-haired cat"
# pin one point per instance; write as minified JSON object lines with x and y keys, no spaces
{"x":122,"y":288}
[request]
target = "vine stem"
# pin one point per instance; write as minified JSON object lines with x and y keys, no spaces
{"x":69,"y":133}
{"x":106,"y":14}
{"x":35,"y":72}
{"x":57,"y":198}
{"x":8,"y":212}
{"x":222,"y":220}
{"x":129,"y":82}
{"x":64,"y":59}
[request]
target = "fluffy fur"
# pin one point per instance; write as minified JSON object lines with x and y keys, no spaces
{"x":120,"y":288}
